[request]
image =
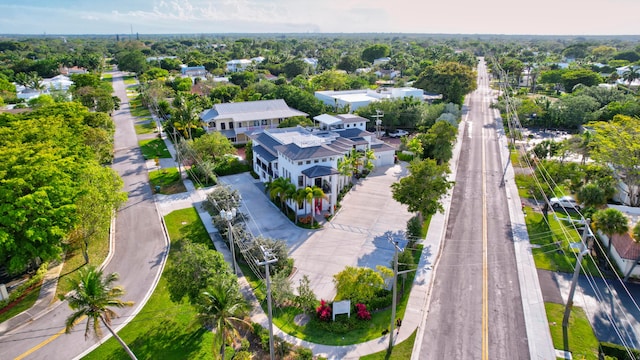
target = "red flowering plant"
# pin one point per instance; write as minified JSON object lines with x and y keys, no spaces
{"x":323,"y":311}
{"x":362,"y":313}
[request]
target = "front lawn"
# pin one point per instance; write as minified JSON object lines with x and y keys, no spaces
{"x":168,"y":180}
{"x":154,"y":148}
{"x":583,"y":343}
{"x":164,"y":329}
{"x":400,"y":351}
{"x":315,"y":332}
{"x":551,"y":243}
{"x":137,"y":109}
{"x":130,"y":79}
{"x":107,"y":77}
{"x":145,"y":127}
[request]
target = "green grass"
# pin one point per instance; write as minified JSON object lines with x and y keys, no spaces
{"x":130,"y":79}
{"x":401,"y":351}
{"x":137,"y":109}
{"x":24,"y":304}
{"x":284,"y":317}
{"x":168,"y":179}
{"x":583,"y":343}
{"x":146,"y":127}
{"x":154,"y":148}
{"x":107,"y":77}
{"x":550,"y":256}
{"x":164,"y":329}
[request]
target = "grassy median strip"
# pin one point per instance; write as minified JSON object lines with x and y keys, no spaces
{"x":154,"y":148}
{"x":164,"y":329}
{"x":168,"y":180}
{"x":583,"y":343}
{"x":401,"y":351}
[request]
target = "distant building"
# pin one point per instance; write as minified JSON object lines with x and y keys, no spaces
{"x":193,"y":71}
{"x":56,"y":83}
{"x":354,"y":99}
{"x":238,"y":65}
{"x":237,"y":120}
{"x":380,"y":61}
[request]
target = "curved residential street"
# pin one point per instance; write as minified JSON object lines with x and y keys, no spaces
{"x":138,"y":255}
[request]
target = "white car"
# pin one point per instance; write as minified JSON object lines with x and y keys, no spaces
{"x":398,"y":133}
{"x":567,"y":202}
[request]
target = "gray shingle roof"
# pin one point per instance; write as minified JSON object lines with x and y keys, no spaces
{"x":267,"y":142}
{"x":251,"y":110}
{"x":319,"y":170}
{"x":264,"y":154}
{"x":295,"y":152}
{"x":353,"y":133}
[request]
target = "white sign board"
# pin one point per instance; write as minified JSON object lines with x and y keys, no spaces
{"x":341,"y":307}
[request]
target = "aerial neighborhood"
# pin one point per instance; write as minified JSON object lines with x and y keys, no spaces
{"x":317,"y":196}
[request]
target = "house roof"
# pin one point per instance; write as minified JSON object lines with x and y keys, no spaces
{"x":266,"y":141}
{"x":381,"y":147}
{"x":328,"y":119}
{"x":351,"y":118}
{"x":353,"y":133}
{"x":319,"y":170}
{"x":251,"y":110}
{"x":264,"y":154}
{"x":295,"y":152}
{"x":626,"y":247}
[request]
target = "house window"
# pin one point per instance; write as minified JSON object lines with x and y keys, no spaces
{"x":230,"y":124}
{"x":300,"y":181}
{"x":264,"y":122}
{"x":299,"y":163}
{"x":256,"y":122}
{"x":308,"y":162}
{"x":222,"y":126}
{"x":360,"y":124}
{"x":212,"y":124}
{"x":324,"y":160}
{"x":316,"y":161}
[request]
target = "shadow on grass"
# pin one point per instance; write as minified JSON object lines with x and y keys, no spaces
{"x":167,"y":338}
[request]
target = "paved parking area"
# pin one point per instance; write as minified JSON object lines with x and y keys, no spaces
{"x":358,"y":235}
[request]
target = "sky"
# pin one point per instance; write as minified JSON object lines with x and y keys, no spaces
{"x":535,"y":17}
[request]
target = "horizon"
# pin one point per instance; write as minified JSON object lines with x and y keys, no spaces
{"x":467,"y":17}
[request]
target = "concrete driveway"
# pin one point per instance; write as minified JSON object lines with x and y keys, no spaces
{"x":358,"y":235}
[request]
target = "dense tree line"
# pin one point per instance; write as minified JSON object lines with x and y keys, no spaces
{"x":54,"y":192}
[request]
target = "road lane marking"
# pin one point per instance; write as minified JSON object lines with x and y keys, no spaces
{"x":485,"y":270}
{"x":42,"y":344}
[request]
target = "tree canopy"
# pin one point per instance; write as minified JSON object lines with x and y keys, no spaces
{"x":422,"y":190}
{"x":451,"y":79}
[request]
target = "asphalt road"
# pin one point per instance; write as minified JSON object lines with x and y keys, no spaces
{"x":139,"y":251}
{"x":475,"y":309}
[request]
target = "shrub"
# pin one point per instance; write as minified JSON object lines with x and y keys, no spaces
{"x":230,"y":165}
{"x":414,"y":228}
{"x":382,"y":300}
{"x":26,"y":286}
{"x":303,"y":354}
{"x":323,"y":311}
{"x":362,"y":313}
{"x":617,"y":352}
{"x":244,"y":344}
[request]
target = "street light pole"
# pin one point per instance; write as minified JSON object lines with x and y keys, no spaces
{"x":229,"y":215}
{"x":268,"y":259}
{"x":395,"y":291}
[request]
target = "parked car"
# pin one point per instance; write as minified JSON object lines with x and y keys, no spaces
{"x":398,"y":133}
{"x":564,"y":202}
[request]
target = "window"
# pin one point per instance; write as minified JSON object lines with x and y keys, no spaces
{"x":222,"y":126}
{"x":324,"y":160}
{"x":212,"y":124}
{"x":230,"y":124}
{"x":264,"y":122}
{"x":256,"y":122}
{"x":308,"y":162}
{"x":300,"y":181}
{"x":299,"y":163}
{"x":316,"y":161}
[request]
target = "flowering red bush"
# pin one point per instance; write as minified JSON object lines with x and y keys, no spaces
{"x":362,"y":313}
{"x":323,"y":311}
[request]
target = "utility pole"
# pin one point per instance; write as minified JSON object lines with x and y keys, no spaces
{"x":268,"y":259}
{"x":396,"y":248}
{"x":229,"y":215}
{"x":574,"y":281}
{"x":378,"y":115}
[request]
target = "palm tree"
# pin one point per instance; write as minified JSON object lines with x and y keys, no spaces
{"x":281,"y":188}
{"x":312,"y":193}
{"x":356,"y":160}
{"x":222,"y":308}
{"x":345,"y":167}
{"x":610,"y":221}
{"x":369,"y":156}
{"x":92,"y":296}
{"x":299,"y":197}
{"x":185,"y":115}
{"x":631,"y":75}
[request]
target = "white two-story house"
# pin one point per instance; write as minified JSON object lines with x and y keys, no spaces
{"x":236,"y":120}
{"x":310,"y":157}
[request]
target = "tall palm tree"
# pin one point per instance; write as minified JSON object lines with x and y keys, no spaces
{"x":299,"y":197}
{"x":345,"y":168}
{"x":356,"y":160}
{"x":631,"y":75}
{"x":311,"y":194}
{"x":222,"y":307}
{"x":368,"y":157}
{"x":93,"y":295}
{"x":281,"y":188}
{"x":185,"y":115}
{"x":610,"y":221}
